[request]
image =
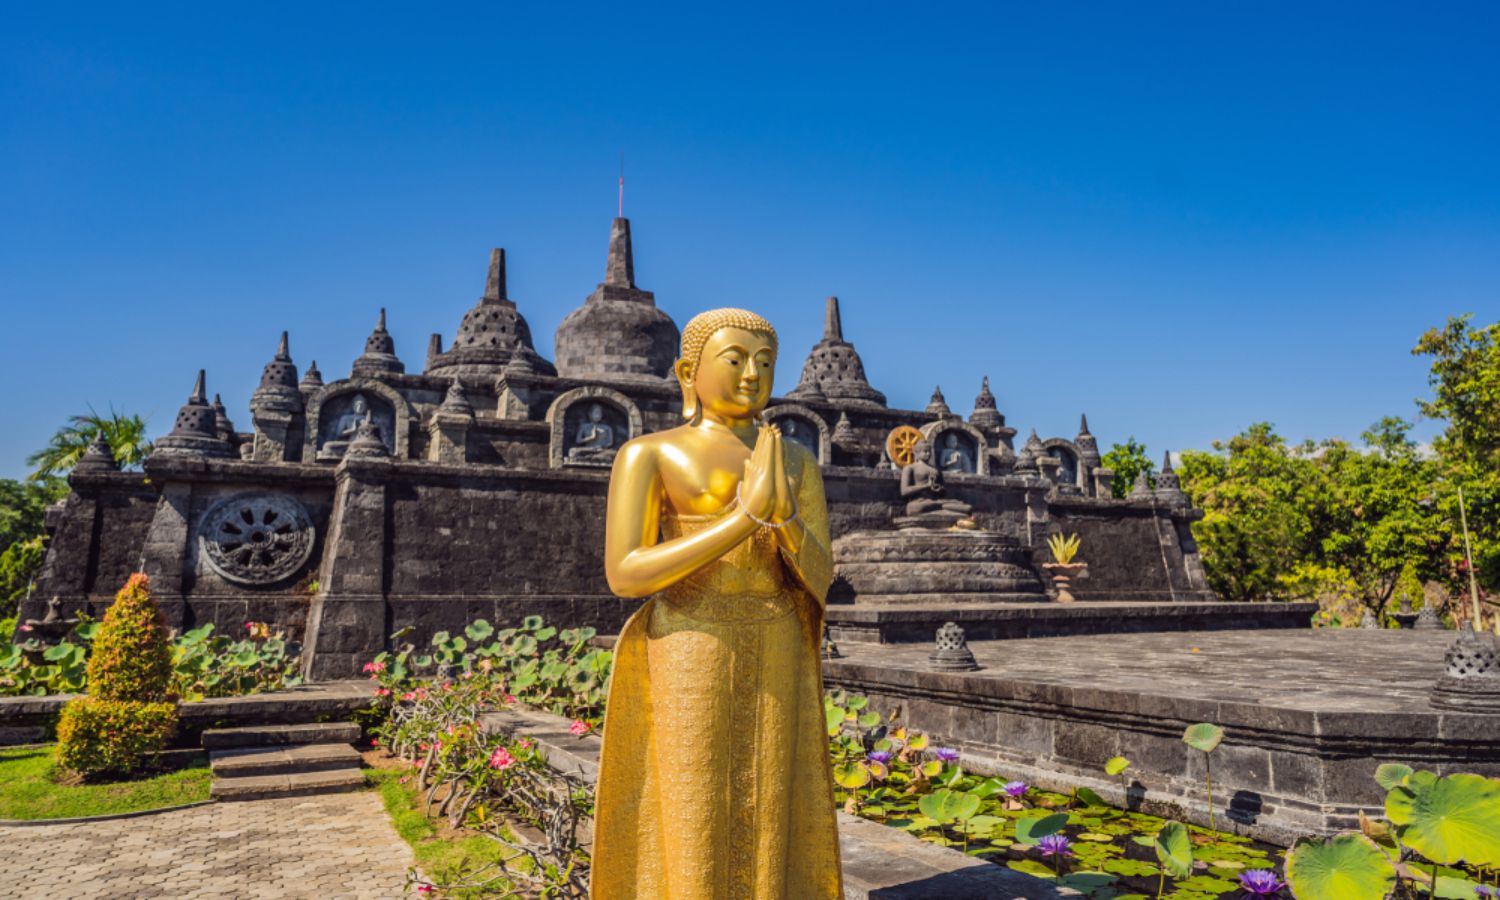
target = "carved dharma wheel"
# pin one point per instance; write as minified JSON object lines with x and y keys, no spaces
{"x":901,"y":443}
{"x":256,"y":538}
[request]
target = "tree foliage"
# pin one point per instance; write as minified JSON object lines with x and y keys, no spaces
{"x":1358,"y":524}
{"x":126,"y":436}
{"x":1128,"y":460}
{"x":1465,"y":382}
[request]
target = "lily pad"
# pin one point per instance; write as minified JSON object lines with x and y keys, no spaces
{"x":1115,"y":765}
{"x":1203,"y":736}
{"x":1450,"y":819}
{"x":947,"y":806}
{"x":851,"y":776}
{"x":1033,"y":828}
{"x":1174,"y":849}
{"x":1031,"y":867}
{"x":1390,"y":775}
{"x":1347,"y":866}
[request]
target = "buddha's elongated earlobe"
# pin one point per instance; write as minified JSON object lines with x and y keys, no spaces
{"x":690,"y":407}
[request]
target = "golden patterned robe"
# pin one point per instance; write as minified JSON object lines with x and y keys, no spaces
{"x":714,"y":779}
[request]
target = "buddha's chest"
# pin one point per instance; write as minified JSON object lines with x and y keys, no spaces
{"x":703,"y":480}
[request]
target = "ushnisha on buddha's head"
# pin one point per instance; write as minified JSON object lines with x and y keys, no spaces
{"x":727,"y":365}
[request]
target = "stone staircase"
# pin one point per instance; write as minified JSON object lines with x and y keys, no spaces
{"x":261,"y":761}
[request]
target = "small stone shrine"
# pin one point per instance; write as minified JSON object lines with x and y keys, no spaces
{"x":476,"y":488}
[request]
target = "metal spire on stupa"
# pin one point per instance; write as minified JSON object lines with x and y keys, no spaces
{"x":834,"y":365}
{"x":618,"y":332}
{"x":194,"y":432}
{"x":492,"y":333}
{"x":380,"y":353}
{"x":986,"y":414}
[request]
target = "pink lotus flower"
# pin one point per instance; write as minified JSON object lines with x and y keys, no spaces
{"x":25,"y":627}
{"x":424,"y":889}
{"x":579,"y":727}
{"x":525,"y":743}
{"x":409,"y":696}
{"x":501,"y":759}
{"x":510,"y":698}
{"x":382,"y":692}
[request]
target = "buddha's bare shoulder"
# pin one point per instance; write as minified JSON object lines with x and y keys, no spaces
{"x":647,"y":447}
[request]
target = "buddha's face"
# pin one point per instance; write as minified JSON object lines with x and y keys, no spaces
{"x":358,"y":405}
{"x":951,"y":441}
{"x":734,"y":374}
{"x":922,"y":452}
{"x":595,"y":413}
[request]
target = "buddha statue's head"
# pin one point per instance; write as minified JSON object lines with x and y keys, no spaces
{"x":922,"y":452}
{"x":727,"y":365}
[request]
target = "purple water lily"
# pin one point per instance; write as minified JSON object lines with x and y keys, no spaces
{"x":946,"y":754}
{"x":1260,"y":883}
{"x":880,"y":756}
{"x":1482,"y":891}
{"x":1055,"y":845}
{"x":1015,"y":789}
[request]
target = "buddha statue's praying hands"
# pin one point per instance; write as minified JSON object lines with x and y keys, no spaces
{"x":714,"y":779}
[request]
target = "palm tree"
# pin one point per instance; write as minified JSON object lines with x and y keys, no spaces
{"x":126,"y":436}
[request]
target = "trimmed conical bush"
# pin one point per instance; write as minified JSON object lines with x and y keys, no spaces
{"x":132,"y":654}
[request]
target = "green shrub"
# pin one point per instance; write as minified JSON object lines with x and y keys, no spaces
{"x":132,"y":655}
{"x":96,"y":736}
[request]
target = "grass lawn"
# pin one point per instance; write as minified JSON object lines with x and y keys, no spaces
{"x":441,"y":852}
{"x":28,"y":791}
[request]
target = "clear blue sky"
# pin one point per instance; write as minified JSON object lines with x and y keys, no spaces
{"x":1178,"y":218}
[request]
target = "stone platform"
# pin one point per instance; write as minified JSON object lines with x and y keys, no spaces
{"x":902,"y":623}
{"x":942,"y":566}
{"x":1308,"y":716}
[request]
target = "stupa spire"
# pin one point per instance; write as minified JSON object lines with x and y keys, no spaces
{"x":199,"y":397}
{"x":833,"y":325}
{"x":494,"y":283}
{"x":619,"y":269}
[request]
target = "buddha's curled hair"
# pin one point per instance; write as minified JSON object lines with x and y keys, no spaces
{"x":697,"y":332}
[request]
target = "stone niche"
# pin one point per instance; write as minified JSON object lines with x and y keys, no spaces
{"x":957,"y":448}
{"x":589,"y":425}
{"x":334,"y":414}
{"x":1066,"y":454}
{"x":804,"y":427}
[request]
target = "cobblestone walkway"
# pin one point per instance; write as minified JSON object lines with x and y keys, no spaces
{"x":336,"y":845}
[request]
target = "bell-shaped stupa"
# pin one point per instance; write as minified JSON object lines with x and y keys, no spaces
{"x":618,"y":332}
{"x":834,"y":368}
{"x":492,"y":334}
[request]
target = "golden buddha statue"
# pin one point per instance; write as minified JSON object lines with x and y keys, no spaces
{"x":714,"y":780}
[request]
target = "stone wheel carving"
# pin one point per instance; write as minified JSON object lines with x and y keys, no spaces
{"x":256,"y":538}
{"x":901,"y":444}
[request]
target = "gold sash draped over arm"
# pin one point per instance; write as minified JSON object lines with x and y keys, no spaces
{"x":714,"y":781}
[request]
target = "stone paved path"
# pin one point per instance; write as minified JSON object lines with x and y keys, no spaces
{"x":336,"y":845}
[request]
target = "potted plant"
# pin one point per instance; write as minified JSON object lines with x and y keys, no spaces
{"x":1062,"y":568}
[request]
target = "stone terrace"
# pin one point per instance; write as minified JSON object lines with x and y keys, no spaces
{"x":1308,"y":716}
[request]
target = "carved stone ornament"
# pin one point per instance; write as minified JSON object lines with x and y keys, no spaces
{"x":256,"y":538}
{"x":952,"y":653}
{"x":1471,"y":675}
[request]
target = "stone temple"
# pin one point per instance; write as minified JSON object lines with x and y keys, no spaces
{"x":388,"y":498}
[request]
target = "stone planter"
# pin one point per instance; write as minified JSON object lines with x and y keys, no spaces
{"x":1062,"y":576}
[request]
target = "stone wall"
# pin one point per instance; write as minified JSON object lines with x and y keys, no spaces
{"x":1134,"y":550}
